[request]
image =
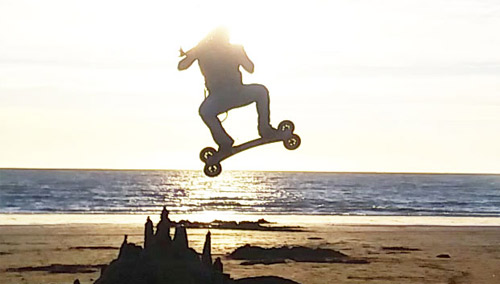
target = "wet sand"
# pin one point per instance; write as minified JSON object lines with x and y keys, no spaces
{"x":396,"y":253}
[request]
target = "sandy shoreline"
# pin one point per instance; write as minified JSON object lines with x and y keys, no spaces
{"x":304,"y":220}
{"x":474,"y":250}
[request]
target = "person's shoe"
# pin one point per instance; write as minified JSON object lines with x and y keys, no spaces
{"x":268,"y":132}
{"x":226,"y":147}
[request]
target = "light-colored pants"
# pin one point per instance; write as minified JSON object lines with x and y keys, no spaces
{"x":221,"y":100}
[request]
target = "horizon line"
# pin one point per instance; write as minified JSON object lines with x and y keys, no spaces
{"x":333,"y":172}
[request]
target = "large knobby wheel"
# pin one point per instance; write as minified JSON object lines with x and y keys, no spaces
{"x":213,"y":170}
{"x":286,"y":126}
{"x":292,"y":142}
{"x":206,"y":153}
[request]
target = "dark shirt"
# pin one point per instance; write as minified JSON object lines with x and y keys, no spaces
{"x":220,"y":66}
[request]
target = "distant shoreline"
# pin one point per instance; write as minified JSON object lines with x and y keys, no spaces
{"x":317,"y":172}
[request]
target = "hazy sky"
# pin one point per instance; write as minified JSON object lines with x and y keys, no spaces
{"x":390,"y":85}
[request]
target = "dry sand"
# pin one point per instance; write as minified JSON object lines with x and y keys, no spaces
{"x":474,"y":252}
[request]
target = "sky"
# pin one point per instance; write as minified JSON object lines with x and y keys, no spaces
{"x":384,"y":86}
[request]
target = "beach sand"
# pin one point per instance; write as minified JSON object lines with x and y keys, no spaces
{"x":474,"y":251}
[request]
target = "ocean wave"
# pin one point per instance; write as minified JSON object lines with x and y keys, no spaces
{"x":73,"y":191}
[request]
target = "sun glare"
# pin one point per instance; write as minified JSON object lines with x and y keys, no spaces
{"x":254,"y":24}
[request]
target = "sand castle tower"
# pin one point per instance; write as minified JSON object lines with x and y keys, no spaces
{"x":206,"y":256}
{"x":148,"y":233}
{"x":162,"y":236}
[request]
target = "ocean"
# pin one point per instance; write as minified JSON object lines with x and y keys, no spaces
{"x":280,"y":193}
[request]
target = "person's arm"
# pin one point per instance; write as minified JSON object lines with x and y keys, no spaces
{"x":187,"y":61}
{"x":246,"y":62}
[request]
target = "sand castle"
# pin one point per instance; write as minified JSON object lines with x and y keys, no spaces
{"x":164,"y":260}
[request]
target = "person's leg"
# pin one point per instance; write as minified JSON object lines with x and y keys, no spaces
{"x":209,"y":110}
{"x":260,"y":95}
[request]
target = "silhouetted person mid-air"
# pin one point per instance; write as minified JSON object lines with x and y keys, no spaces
{"x":219,"y":62}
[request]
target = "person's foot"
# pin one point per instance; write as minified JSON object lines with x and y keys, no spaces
{"x":226,"y":146}
{"x":268,"y":132}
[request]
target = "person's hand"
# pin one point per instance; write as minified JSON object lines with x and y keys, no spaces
{"x":182,"y":53}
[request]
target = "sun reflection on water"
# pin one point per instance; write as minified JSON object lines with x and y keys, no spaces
{"x":232,"y":190}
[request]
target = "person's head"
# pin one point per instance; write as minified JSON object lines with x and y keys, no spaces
{"x":219,"y":35}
